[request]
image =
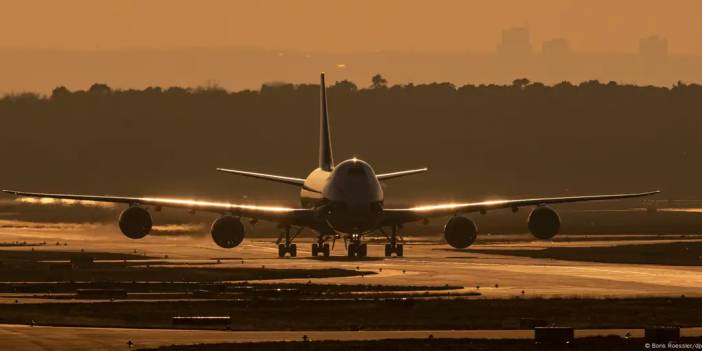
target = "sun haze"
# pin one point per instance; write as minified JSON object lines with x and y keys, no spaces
{"x":243,"y":44}
{"x":342,"y":26}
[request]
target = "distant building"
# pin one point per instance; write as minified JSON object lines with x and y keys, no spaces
{"x":556,"y":48}
{"x":515,"y":43}
{"x":653,"y":56}
{"x":514,"y":59}
{"x":557,"y":60}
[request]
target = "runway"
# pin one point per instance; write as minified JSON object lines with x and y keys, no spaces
{"x":23,"y":338}
{"x":494,"y":276}
{"x":425,"y":263}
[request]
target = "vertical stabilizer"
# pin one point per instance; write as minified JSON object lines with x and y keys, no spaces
{"x":326,"y":161}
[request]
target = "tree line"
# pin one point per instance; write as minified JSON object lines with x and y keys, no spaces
{"x":520,"y":139}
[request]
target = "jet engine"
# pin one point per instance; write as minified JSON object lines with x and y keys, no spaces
{"x":135,"y":222}
{"x":544,"y":223}
{"x":460,"y":232}
{"x":227,"y":232}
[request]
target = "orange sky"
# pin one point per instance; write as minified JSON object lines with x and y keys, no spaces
{"x":346,"y":25}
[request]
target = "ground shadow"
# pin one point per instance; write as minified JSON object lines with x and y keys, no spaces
{"x":347,"y":259}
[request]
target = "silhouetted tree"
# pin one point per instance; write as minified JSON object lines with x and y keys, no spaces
{"x":99,"y":89}
{"x":520,"y":83}
{"x":176,"y":91}
{"x":345,"y":86}
{"x":153,"y":90}
{"x":549,"y":138}
{"x":378,"y":82}
{"x":60,"y":92}
{"x":277,"y":88}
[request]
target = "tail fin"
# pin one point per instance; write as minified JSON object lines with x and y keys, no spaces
{"x":326,"y":161}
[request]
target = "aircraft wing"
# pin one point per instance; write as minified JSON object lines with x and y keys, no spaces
{"x":298,"y":216}
{"x":399,"y":216}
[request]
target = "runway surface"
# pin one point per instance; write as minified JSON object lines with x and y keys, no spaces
{"x":494,"y":276}
{"x":425,"y":263}
{"x":22,"y":337}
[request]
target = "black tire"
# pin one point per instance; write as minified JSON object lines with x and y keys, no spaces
{"x":315,"y":250}
{"x":388,"y":250}
{"x":325,"y":250}
{"x":353,"y":250}
{"x":399,"y":250}
{"x":281,"y":250}
{"x":363,"y":250}
{"x":293,"y":250}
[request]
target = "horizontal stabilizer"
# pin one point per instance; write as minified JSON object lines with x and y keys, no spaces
{"x":272,"y":177}
{"x":385,"y":176}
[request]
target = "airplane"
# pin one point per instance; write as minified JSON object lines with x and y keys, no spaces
{"x":344,"y":199}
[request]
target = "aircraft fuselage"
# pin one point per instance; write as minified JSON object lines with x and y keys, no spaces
{"x":349,"y":197}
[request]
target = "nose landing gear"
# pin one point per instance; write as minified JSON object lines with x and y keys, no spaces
{"x":356,"y":248}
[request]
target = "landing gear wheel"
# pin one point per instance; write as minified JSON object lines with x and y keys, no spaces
{"x":362,"y":250}
{"x":392,"y":246}
{"x":284,"y":249}
{"x":320,"y":249}
{"x":397,"y":249}
{"x":358,"y":250}
{"x":286,"y":242}
{"x":353,"y":250}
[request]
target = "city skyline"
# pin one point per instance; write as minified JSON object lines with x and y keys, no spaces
{"x":450,"y":25}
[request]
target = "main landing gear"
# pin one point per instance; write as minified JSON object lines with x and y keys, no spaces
{"x":356,"y":248}
{"x":393,"y":247}
{"x":320,"y":247}
{"x":287,"y":247}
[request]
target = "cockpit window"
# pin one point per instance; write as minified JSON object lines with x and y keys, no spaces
{"x":357,"y":171}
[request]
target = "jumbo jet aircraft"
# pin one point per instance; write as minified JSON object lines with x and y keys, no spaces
{"x":344,"y":199}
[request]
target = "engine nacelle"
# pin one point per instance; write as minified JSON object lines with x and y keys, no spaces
{"x":460,"y":232}
{"x":135,"y":222}
{"x":544,"y":223}
{"x":227,"y":232}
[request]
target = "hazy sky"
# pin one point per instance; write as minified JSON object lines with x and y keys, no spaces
{"x":346,"y":25}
